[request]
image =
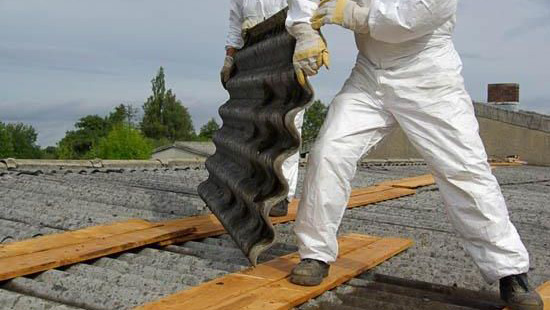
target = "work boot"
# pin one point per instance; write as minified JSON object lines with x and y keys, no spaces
{"x":517,"y":293}
{"x":280,"y":209}
{"x":309,"y":272}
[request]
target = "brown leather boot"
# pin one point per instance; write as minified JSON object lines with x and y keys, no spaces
{"x":309,"y":272}
{"x":280,"y":209}
{"x":517,"y":293}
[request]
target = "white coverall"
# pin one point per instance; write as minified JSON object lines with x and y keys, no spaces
{"x":408,"y":73}
{"x":244,"y":14}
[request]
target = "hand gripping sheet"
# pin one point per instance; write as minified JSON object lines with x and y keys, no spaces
{"x":258,"y":133}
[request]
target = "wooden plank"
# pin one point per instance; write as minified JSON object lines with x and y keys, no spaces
{"x":267,"y":286}
{"x":208,"y":225}
{"x":370,"y":190}
{"x":48,"y":242}
{"x":12,"y":267}
{"x":544,"y":291}
{"x":411,"y":183}
{"x":366,"y":199}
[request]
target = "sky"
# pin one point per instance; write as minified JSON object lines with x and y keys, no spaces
{"x":63,"y":59}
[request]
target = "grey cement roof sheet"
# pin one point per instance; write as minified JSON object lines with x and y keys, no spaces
{"x":46,"y":203}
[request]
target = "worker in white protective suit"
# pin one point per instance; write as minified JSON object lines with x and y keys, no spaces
{"x":408,"y":73}
{"x":246,"y":14}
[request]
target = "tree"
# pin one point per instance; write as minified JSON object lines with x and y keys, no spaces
{"x":164,"y":115}
{"x":89,"y":130}
{"x":78,"y":143}
{"x":313,"y":120}
{"x":18,"y":141}
{"x":6,"y":146}
{"x":207,"y":130}
{"x":122,"y":114}
{"x":123,"y":142}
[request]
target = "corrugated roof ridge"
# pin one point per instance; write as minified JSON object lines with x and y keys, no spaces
{"x":11,"y":163}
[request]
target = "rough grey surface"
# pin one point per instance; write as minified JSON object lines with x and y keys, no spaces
{"x":46,"y":203}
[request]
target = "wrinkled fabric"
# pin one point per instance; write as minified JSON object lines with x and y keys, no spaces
{"x":409,"y":76}
{"x":292,"y":164}
{"x":244,"y":14}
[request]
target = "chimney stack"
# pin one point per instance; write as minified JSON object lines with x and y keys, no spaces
{"x":505,"y":96}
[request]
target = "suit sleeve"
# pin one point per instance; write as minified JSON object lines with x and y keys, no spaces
{"x":300,"y":11}
{"x":396,"y":21}
{"x":234,"y":35}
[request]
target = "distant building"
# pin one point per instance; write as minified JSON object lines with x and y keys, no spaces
{"x":185,"y":150}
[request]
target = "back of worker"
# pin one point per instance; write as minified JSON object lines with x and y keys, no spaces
{"x":245,"y":14}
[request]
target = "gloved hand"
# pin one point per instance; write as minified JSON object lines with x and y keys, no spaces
{"x":311,"y":51}
{"x":227,"y":68}
{"x":346,"y":13}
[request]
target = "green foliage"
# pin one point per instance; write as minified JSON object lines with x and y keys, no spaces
{"x":208,"y":130}
{"x":123,"y":142}
{"x":165,"y":116}
{"x":122,"y":114}
{"x":18,"y":141}
{"x":50,"y":152}
{"x":313,"y":120}
{"x":6,"y":146}
{"x":78,"y":144}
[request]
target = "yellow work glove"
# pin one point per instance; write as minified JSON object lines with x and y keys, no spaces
{"x":345,"y":13}
{"x":311,"y":51}
{"x":227,"y":68}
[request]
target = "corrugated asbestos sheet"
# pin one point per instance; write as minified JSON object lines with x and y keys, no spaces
{"x":257,"y":135}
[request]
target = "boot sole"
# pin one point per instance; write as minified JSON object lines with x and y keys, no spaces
{"x":525,"y":307}
{"x":306,"y":280}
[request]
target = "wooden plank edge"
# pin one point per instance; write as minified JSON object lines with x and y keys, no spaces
{"x":39,"y":243}
{"x":85,"y":252}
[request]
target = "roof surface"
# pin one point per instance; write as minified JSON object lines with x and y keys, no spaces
{"x":32,"y":204}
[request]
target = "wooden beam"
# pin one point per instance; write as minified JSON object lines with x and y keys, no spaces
{"x":49,"y":242}
{"x":411,"y":183}
{"x":25,"y":264}
{"x":267,"y":286}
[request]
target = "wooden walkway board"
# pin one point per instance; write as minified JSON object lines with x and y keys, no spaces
{"x":544,"y":291}
{"x":266,"y":287}
{"x":208,"y":225}
{"x":72,"y":237}
{"x":25,"y":264}
{"x":411,"y":183}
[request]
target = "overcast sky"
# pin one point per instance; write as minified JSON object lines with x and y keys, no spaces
{"x":63,"y":59}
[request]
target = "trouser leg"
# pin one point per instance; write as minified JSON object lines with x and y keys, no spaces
{"x":291,"y":166}
{"x":355,"y":122}
{"x":444,"y":129}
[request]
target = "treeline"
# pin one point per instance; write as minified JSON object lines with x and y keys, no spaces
{"x":123,"y":135}
{"x":120,"y":135}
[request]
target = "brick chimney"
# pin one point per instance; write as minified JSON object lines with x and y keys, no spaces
{"x":505,"y":96}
